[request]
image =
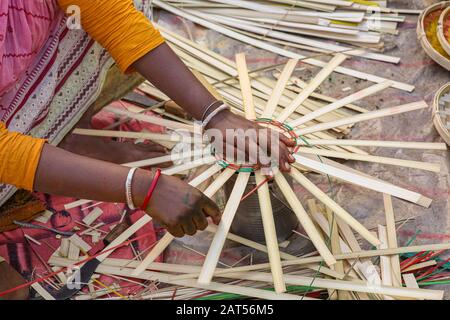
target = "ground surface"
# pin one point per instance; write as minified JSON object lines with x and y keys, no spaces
{"x":416,"y":69}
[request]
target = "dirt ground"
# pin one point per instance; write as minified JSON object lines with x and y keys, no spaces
{"x":416,"y":68}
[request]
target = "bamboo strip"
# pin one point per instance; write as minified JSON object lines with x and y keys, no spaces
{"x":419,"y":266}
{"x":364,"y":117}
{"x":344,"y":256}
{"x":304,"y":219}
{"x":132,"y":135}
{"x":255,"y":245}
{"x":125,"y":235}
{"x":392,"y":239}
{"x":190,"y":165}
{"x":385,"y":262}
{"x":363,"y":180}
{"x":279,"y":88}
{"x":151,"y":119}
{"x":42,"y":292}
{"x":434,"y":167}
{"x":375,"y":143}
{"x":313,"y":85}
{"x":219,"y":239}
{"x":341,"y":103}
{"x":330,"y":203}
{"x":264,"y":45}
{"x":410,"y":281}
{"x":270,"y":233}
{"x":246,"y":88}
{"x":336,"y":249}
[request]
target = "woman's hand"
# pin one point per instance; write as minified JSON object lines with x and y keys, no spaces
{"x":277,"y":151}
{"x":181,"y":208}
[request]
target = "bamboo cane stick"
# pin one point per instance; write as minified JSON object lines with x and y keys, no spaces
{"x":344,"y":256}
{"x":392,"y":239}
{"x":190,"y":165}
{"x":132,"y":135}
{"x":304,"y":219}
{"x":434,"y":167}
{"x":270,"y":233}
{"x":279,"y":88}
{"x":341,"y":103}
{"x":255,"y":245}
{"x":150,"y":119}
{"x":246,"y":88}
{"x":312,"y":86}
{"x":330,"y":203}
{"x":385,"y":262}
{"x":336,"y":249}
{"x":364,"y":117}
{"x":167,"y":239}
{"x":363,"y":180}
{"x":410,"y":281}
{"x":374,"y":143}
{"x":227,"y":218}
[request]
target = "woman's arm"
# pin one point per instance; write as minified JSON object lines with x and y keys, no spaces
{"x":181,"y":208}
{"x":30,"y":163}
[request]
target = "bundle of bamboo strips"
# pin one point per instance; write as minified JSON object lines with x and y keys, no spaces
{"x":309,"y":25}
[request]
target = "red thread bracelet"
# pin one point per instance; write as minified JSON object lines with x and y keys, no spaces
{"x":151,"y":189}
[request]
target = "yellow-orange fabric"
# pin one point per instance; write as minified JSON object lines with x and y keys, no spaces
{"x":19,"y":158}
{"x":119,"y":27}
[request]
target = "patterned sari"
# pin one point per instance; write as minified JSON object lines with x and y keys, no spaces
{"x":49,"y":74}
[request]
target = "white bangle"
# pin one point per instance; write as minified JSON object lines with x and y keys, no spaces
{"x":213,"y":114}
{"x":128,"y":192}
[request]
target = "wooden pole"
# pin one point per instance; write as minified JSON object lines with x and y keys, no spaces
{"x":374,"y":143}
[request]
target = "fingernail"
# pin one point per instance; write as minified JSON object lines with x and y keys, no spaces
{"x":291,"y":157}
{"x":288,"y":166}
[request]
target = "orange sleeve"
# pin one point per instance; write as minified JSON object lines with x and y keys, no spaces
{"x":119,"y":27}
{"x":19,"y":158}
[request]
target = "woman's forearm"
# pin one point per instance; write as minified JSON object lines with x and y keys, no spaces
{"x":63,"y":173}
{"x":163,"y":68}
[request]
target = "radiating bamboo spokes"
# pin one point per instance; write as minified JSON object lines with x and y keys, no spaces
{"x":330,"y":203}
{"x":312,"y":86}
{"x":434,"y":167}
{"x":342,"y":102}
{"x":364,"y":117}
{"x":219,"y":238}
{"x":363,"y":180}
{"x":167,"y":239}
{"x":304,"y":219}
{"x":270,"y":233}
